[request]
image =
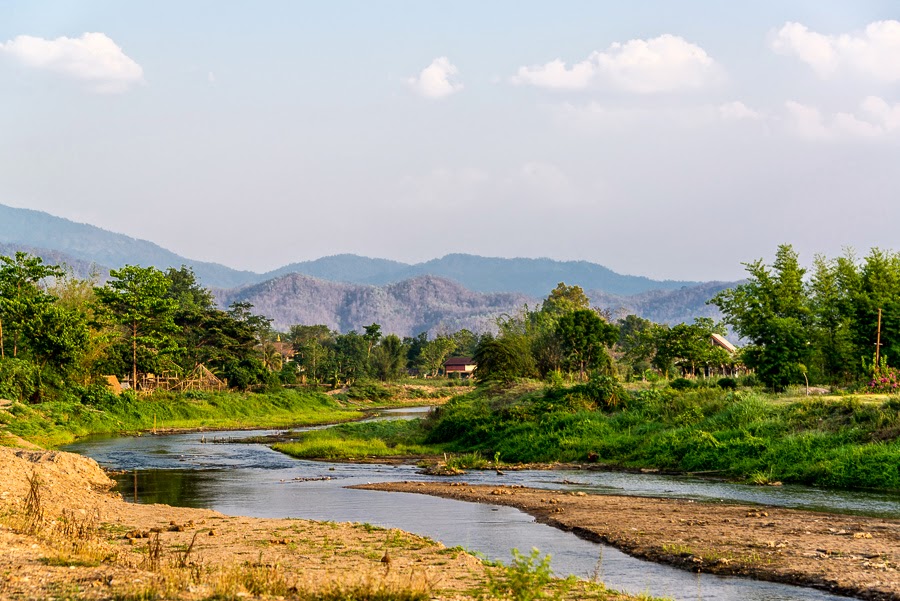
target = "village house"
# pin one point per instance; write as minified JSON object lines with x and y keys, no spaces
{"x":462,"y":366}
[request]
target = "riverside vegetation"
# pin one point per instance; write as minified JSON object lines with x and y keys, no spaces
{"x":845,"y":442}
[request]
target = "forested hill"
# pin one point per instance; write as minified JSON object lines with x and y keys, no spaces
{"x":424,"y":303}
{"x":429,"y":303}
{"x":533,"y":277}
{"x":682,"y":305}
{"x":55,"y":237}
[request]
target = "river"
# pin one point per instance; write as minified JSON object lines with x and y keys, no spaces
{"x":211,"y":470}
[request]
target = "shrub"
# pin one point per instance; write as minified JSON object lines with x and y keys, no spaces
{"x":605,"y":391}
{"x":750,"y":381}
{"x":681,"y":384}
{"x":19,"y":380}
{"x":727,"y":383}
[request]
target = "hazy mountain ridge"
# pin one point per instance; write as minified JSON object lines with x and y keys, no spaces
{"x":349,"y":291}
{"x":92,"y":244}
{"x":664,"y":306}
{"x":424,"y":303}
{"x":535,"y":277}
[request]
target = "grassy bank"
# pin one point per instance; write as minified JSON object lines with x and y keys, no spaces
{"x":843,"y":442}
{"x":61,"y":421}
{"x":371,"y":439}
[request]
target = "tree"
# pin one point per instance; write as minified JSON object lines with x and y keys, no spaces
{"x":636,"y":342}
{"x":435,"y":352}
{"x":504,"y":359}
{"x":565,"y":299}
{"x":136,"y":298}
{"x":58,"y":336}
{"x":772,"y":311}
{"x":584,"y":338}
{"x":372,"y":336}
{"x":831,"y":301}
{"x":388,"y":359}
{"x":20,"y":293}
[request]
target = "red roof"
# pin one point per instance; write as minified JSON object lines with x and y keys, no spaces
{"x":452,"y":361}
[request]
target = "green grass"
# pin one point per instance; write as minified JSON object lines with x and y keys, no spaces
{"x":837,"y":442}
{"x":371,"y":439}
{"x":58,"y":422}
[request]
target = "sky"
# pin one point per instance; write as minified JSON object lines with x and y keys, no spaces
{"x":667,"y":139}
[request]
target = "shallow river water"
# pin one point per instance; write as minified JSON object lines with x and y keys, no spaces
{"x":253,"y":480}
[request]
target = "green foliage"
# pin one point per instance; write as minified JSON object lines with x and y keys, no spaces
{"x":681,"y":384}
{"x":527,"y":578}
{"x":504,"y":359}
{"x":772,"y":311}
{"x":388,"y":358}
{"x":20,"y":380}
{"x":93,"y":410}
{"x":370,"y":439}
{"x":584,"y":338}
{"x":136,"y":299}
{"x":825,"y":442}
{"x":467,"y":461}
{"x":727,"y":383}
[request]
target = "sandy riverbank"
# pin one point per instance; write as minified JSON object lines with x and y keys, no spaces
{"x":81,"y":541}
{"x":849,"y":555}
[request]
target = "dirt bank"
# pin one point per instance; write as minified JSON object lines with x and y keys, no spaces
{"x":854,"y":556}
{"x":79,"y":540}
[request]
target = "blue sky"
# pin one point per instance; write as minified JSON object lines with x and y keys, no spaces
{"x":668,"y":139}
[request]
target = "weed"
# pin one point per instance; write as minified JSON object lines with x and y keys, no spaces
{"x":528,"y":577}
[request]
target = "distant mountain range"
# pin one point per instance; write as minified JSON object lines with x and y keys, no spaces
{"x":349,"y":291}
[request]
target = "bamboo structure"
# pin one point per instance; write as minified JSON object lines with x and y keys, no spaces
{"x":200,"y":379}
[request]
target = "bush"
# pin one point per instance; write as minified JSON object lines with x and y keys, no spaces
{"x":605,"y":391}
{"x":727,"y":383}
{"x":750,"y":381}
{"x":681,"y":384}
{"x":19,"y":380}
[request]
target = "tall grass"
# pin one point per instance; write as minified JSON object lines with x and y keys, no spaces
{"x":372,"y":439}
{"x":60,"y":421}
{"x":837,"y":443}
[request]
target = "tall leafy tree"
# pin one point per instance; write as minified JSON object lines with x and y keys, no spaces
{"x":435,"y":352}
{"x":832,"y":287}
{"x":584,"y":338}
{"x":21,"y":293}
{"x":772,"y":311}
{"x":504,"y":358}
{"x":137,"y":299}
{"x":565,"y":299}
{"x":388,"y":359}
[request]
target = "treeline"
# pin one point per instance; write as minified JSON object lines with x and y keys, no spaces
{"x":564,"y":336}
{"x":58,"y":331}
{"x":824,"y":326}
{"x":334,"y":359}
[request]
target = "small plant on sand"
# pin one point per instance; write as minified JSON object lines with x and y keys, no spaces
{"x":529,"y":577}
{"x":472,"y":461}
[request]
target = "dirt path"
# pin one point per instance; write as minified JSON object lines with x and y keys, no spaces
{"x":849,"y":555}
{"x":80,"y":541}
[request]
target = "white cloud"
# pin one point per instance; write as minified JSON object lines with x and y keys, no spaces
{"x":873,"y":53}
{"x":738,"y":111}
{"x":667,"y":63}
{"x":92,"y":58}
{"x":875,"y":119}
{"x":437,"y":80}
